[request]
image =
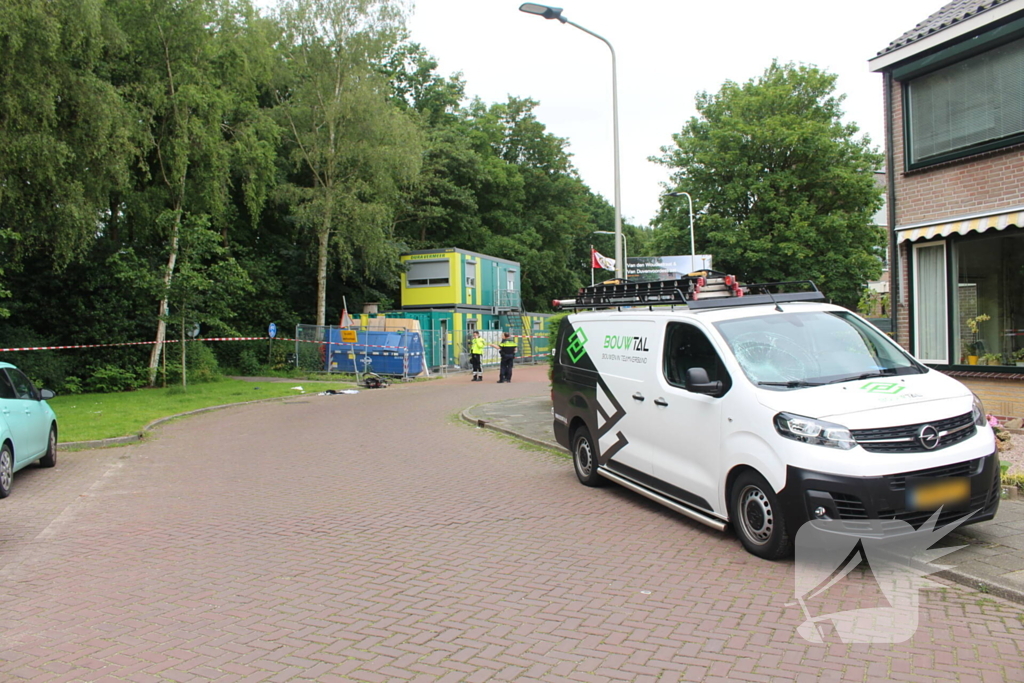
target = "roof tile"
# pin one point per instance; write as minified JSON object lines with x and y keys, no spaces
{"x":950,"y":14}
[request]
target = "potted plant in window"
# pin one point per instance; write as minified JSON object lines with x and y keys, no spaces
{"x":970,"y":352}
{"x":971,"y":347}
{"x":1018,"y":357}
{"x":992,"y":359}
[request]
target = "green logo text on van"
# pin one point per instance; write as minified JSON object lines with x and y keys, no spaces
{"x":883,"y":388}
{"x":625,"y":343}
{"x":574,"y":345}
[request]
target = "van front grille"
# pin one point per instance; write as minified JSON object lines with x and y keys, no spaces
{"x":904,"y":439}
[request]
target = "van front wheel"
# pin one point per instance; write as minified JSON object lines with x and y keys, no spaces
{"x":757,"y":517}
{"x":584,"y":458}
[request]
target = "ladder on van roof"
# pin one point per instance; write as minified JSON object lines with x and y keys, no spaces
{"x":703,"y":289}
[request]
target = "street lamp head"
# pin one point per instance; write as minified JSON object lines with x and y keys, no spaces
{"x":542,"y":10}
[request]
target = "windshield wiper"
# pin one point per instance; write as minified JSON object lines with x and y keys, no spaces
{"x":888,"y":372}
{"x":791,"y":384}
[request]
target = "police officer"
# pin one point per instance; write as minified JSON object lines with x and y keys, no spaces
{"x":507,"y":351}
{"x":476,"y":350}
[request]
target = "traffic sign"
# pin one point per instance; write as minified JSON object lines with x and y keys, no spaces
{"x":272,"y":330}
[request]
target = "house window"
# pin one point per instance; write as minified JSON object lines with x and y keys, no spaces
{"x":471,"y":273}
{"x":428,"y":274}
{"x":968,"y":107}
{"x":990,"y":298}
{"x":470,"y":281}
{"x":930,"y":302}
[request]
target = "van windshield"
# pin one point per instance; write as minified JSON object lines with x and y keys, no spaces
{"x":812,"y":348}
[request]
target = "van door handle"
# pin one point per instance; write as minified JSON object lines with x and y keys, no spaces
{"x":660,"y":402}
{"x":638,"y":396}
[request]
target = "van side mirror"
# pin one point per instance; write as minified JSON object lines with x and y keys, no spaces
{"x":697,"y":381}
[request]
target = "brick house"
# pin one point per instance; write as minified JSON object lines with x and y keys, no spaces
{"x":954,"y":100}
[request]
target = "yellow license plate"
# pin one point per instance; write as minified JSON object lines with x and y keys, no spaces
{"x":954,"y":491}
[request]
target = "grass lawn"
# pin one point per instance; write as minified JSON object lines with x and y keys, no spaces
{"x":84,"y":417}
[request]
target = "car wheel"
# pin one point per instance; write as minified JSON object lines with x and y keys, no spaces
{"x":757,"y":517}
{"x":50,"y":459}
{"x":6,"y":470}
{"x":584,"y":458}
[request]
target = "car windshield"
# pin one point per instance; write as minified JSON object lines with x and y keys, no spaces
{"x":813,"y":348}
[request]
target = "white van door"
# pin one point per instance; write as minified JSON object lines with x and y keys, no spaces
{"x":624,"y":353}
{"x":687,"y":433}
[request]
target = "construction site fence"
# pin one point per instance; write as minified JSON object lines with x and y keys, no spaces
{"x":435,"y":352}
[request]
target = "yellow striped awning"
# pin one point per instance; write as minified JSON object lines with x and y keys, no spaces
{"x":963,"y":226}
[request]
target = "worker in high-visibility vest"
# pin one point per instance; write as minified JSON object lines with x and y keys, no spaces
{"x":507,"y":351}
{"x":476,"y":351}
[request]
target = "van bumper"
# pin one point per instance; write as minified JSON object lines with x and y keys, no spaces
{"x":874,"y":506}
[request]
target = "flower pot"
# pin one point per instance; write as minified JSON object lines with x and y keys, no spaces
{"x":1020,"y":363}
{"x":972,"y":360}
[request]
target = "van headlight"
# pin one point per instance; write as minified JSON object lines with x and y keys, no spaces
{"x":978,"y":413}
{"x":813,"y":431}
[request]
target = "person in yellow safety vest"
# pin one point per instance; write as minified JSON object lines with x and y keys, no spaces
{"x":507,"y":351}
{"x":476,"y":351}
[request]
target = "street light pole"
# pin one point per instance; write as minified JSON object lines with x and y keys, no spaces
{"x":556,"y":13}
{"x":625,"y":251}
{"x":693,"y":251}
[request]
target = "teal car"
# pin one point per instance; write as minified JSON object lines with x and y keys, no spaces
{"x":28,"y":426}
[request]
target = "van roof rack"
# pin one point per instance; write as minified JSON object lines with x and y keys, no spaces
{"x":703,"y":289}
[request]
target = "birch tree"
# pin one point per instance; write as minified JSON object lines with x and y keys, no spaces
{"x":350,"y":149}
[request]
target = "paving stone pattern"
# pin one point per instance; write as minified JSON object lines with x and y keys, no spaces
{"x":375,"y":537}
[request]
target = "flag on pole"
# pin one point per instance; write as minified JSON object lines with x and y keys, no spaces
{"x":600,"y":261}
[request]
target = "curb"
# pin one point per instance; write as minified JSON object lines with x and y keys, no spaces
{"x":489,"y":425}
{"x":123,"y":440}
{"x":987,"y":585}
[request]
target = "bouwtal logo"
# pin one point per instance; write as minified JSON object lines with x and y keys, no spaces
{"x":575,"y":345}
{"x":882,"y":388}
{"x":897,"y":557}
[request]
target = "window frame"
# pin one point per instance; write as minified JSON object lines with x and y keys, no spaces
{"x":915,"y":265}
{"x":428,"y":282}
{"x":956,"y":54}
{"x":722,"y":372}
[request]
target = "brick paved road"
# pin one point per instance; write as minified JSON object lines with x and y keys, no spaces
{"x":375,"y":538}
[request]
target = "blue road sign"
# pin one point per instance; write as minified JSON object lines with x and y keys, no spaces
{"x":272,"y":330}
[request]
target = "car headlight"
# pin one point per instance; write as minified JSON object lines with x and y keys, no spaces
{"x":978,"y":413}
{"x":813,"y":431}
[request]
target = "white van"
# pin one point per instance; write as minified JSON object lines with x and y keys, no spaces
{"x":766,"y":411}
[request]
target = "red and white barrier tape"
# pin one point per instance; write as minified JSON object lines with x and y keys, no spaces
{"x":214,"y":339}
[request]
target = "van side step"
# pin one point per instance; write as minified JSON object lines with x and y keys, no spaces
{"x":716,"y":524}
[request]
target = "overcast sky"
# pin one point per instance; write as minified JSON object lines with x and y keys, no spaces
{"x":667,"y":52}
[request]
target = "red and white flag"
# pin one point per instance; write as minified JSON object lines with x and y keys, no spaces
{"x":599,"y":261}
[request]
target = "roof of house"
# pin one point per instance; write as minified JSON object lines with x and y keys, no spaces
{"x":951,"y":14}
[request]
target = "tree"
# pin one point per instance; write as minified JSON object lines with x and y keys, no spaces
{"x":183,"y":75}
{"x":350,"y":149}
{"x":66,"y":137}
{"x":788,"y":186}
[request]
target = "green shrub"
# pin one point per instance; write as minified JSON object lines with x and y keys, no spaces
{"x":201,"y":362}
{"x":45,"y":368}
{"x":248,"y":364}
{"x":110,"y":378}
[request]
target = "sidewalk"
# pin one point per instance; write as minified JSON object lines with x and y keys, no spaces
{"x":992,"y":560}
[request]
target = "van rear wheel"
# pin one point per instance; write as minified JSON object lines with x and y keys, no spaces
{"x":584,"y":458}
{"x":757,"y":517}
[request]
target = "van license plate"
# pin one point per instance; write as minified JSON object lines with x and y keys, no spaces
{"x":952,"y":493}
